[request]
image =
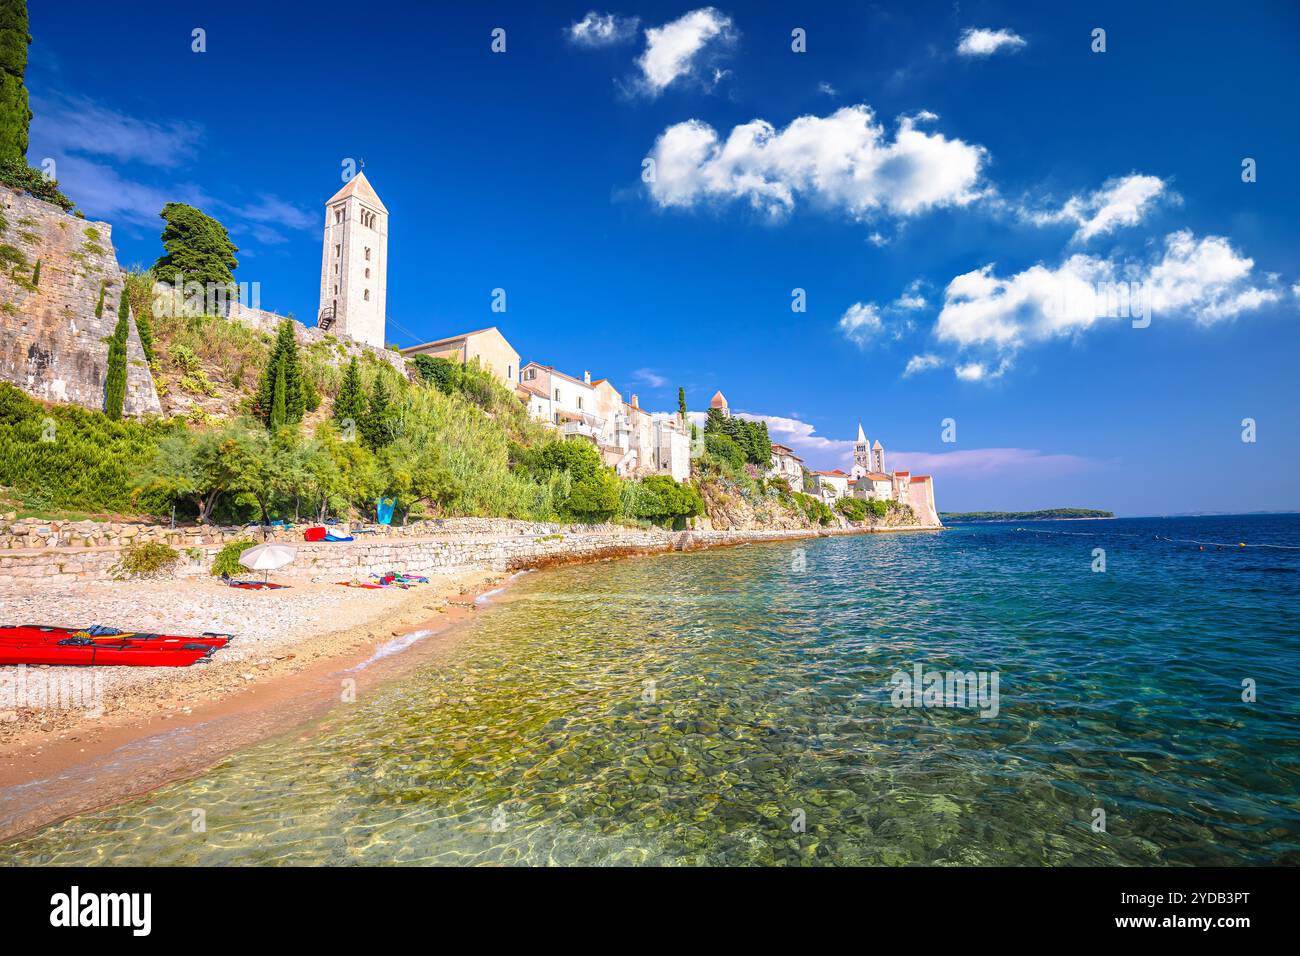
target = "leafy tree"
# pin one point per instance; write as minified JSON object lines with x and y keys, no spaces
{"x":15,"y":115}
{"x":350,"y":401}
{"x":664,"y":500}
{"x":198,"y":467}
{"x":595,"y":497}
{"x":198,"y":249}
{"x":115,"y":376}
{"x":575,"y":456}
{"x":15,"y":173}
{"x":442,"y":373}
{"x":752,"y":437}
{"x":724,"y":451}
{"x":282,"y":381}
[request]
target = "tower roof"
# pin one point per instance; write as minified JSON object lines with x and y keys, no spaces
{"x":878,"y":445}
{"x":360,"y":187}
{"x":862,"y":438}
{"x":718,"y":400}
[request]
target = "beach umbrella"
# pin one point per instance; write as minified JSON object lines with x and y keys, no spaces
{"x":267,"y":557}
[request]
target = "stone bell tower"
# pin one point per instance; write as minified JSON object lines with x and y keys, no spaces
{"x":354,"y":264}
{"x":861,"y":455}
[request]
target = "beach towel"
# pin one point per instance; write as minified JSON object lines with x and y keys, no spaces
{"x":335,"y":537}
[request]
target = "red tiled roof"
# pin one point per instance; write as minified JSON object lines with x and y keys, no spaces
{"x":920,"y":478}
{"x":835,"y":472}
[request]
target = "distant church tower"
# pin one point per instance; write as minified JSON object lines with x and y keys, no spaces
{"x":719,"y":401}
{"x":861,"y":455}
{"x":878,"y":458}
{"x":354,"y":267}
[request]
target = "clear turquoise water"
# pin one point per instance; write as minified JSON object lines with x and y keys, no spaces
{"x":539,"y":740}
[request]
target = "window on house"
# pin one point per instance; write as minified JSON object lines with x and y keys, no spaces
{"x":579,"y":403}
{"x":367,"y":273}
{"x":367,"y":253}
{"x":336,"y":288}
{"x":510,"y":373}
{"x":557,"y":394}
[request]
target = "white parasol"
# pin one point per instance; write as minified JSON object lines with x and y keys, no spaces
{"x":267,"y":557}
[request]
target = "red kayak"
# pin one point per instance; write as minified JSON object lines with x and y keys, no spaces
{"x":135,"y":655}
{"x":44,"y":634}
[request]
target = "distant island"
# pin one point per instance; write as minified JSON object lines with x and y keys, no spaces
{"x":1051,"y":514}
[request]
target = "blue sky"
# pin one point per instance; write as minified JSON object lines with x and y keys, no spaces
{"x":941,"y":179}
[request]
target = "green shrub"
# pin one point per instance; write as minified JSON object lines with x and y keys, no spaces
{"x":144,"y":560}
{"x":855,"y":509}
{"x":227,"y":559}
{"x":75,"y":458}
{"x":15,"y":173}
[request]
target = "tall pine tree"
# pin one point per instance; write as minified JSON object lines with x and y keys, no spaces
{"x":282,"y":380}
{"x":278,"y":403}
{"x":115,"y":377}
{"x":377,"y":428}
{"x":350,"y":402}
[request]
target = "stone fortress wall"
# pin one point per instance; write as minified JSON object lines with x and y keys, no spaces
{"x":52,"y":345}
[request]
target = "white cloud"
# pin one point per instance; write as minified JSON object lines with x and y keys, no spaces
{"x":861,"y":323}
{"x":73,"y":124}
{"x":275,"y":211}
{"x":602,"y":29}
{"x":988,"y":463}
{"x":922,"y":363}
{"x":826,"y":89}
{"x":912,"y":298}
{"x":823,"y":452}
{"x":1123,"y":201}
{"x":844,"y":160}
{"x":982,"y":42}
{"x":1204,"y":279}
{"x":649,"y":376}
{"x":672,"y":50}
{"x":801,"y":436}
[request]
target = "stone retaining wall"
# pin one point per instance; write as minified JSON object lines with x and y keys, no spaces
{"x":521,"y":545}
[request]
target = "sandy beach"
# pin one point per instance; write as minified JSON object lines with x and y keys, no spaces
{"x":279,"y":636}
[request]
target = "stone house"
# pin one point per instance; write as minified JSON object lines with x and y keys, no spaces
{"x":488,"y":345}
{"x":786,"y":464}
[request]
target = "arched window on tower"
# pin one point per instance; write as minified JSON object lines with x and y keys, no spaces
{"x":366,"y":295}
{"x":367,"y":253}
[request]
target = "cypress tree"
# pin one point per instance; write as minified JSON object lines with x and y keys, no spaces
{"x":115,"y":377}
{"x":278,"y":403}
{"x":375,"y":430}
{"x":681,"y":402}
{"x":350,"y":402}
{"x":15,"y":115}
{"x":99,"y":306}
{"x":283,"y":361}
